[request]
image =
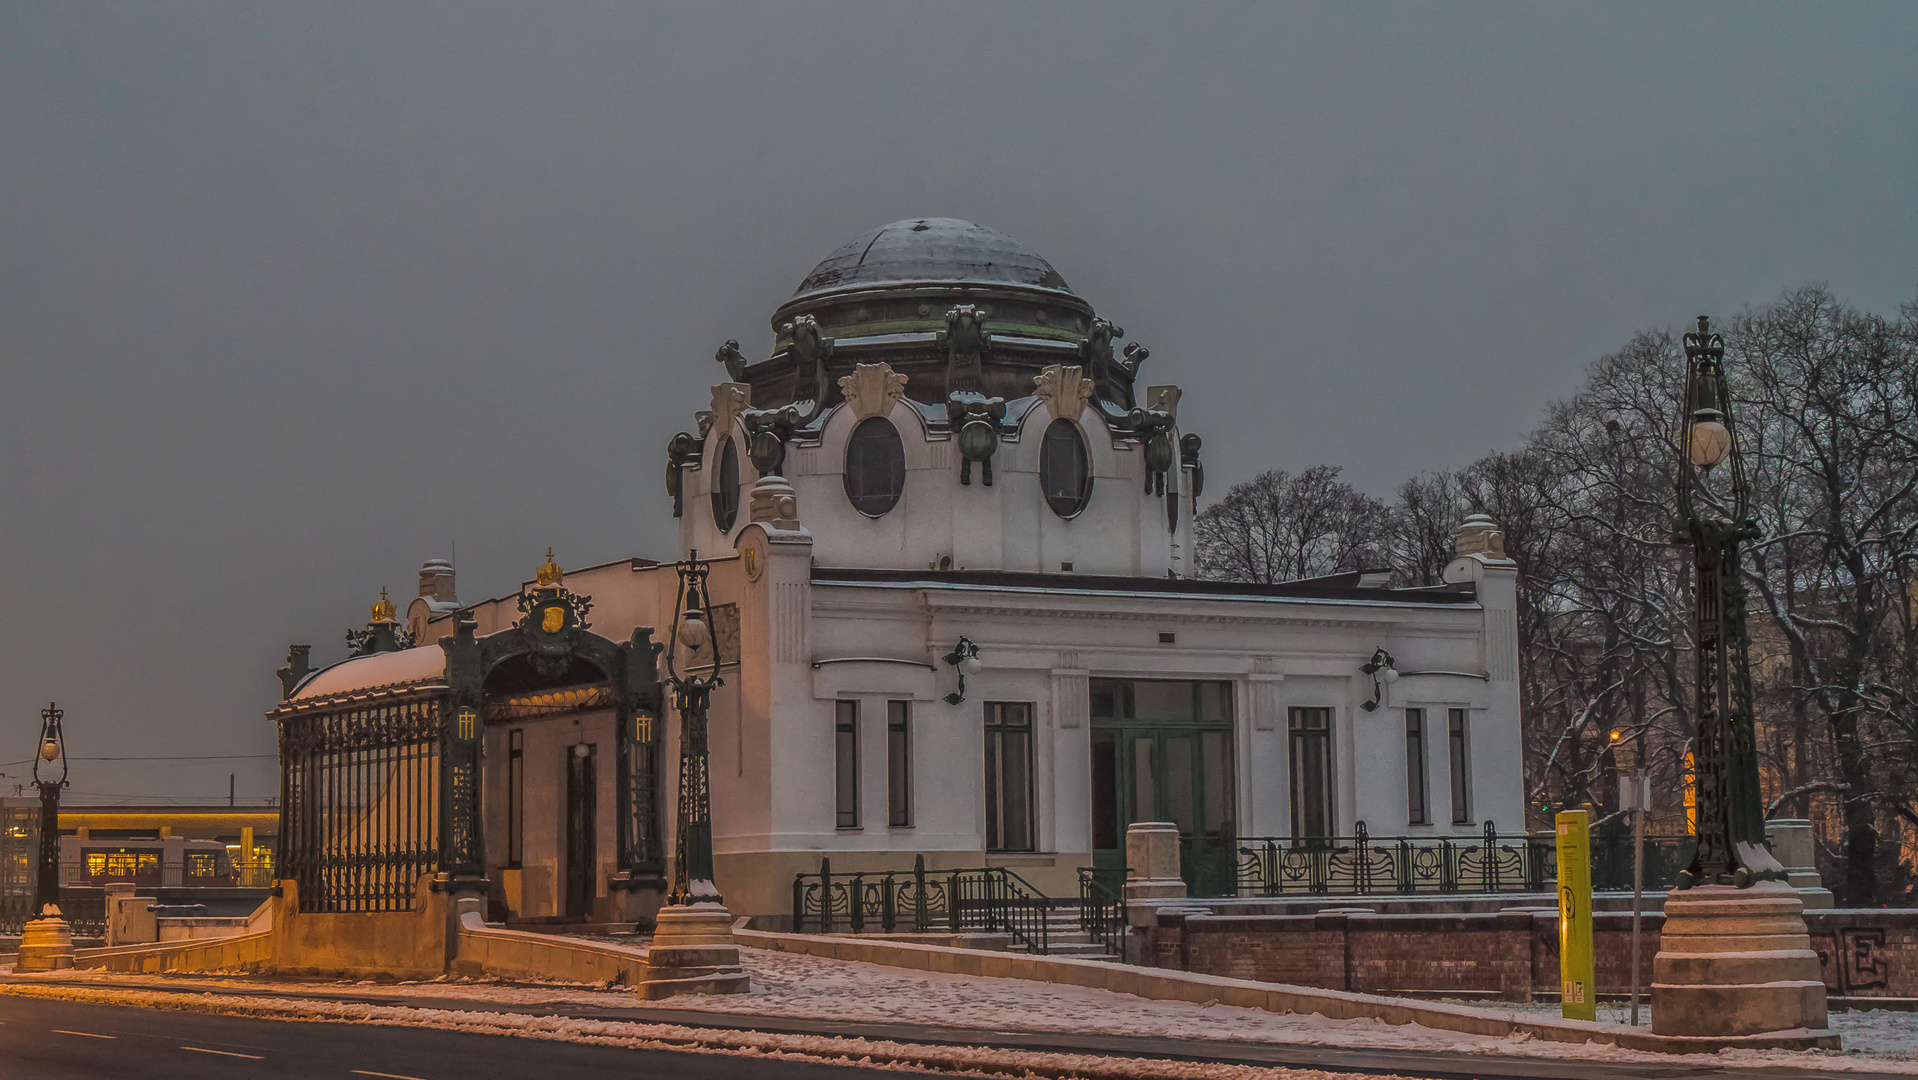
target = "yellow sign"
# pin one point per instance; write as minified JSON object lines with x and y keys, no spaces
{"x":468,"y":723}
{"x":552,"y":619}
{"x":1577,"y":966}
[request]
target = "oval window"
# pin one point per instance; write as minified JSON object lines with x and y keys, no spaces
{"x":1065,"y":469}
{"x":875,"y":466}
{"x":726,"y":487}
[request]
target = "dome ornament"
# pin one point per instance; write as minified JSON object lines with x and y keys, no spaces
{"x":549,"y":573}
{"x":382,"y":633}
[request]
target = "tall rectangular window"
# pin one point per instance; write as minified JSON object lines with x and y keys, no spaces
{"x":515,"y":796}
{"x":1310,"y":731}
{"x":1009,"y":776}
{"x":1461,"y":769}
{"x":899,"y":763}
{"x":1416,"y":812}
{"x":845,"y":746}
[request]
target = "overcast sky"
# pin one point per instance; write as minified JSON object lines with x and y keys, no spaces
{"x":293,"y":297}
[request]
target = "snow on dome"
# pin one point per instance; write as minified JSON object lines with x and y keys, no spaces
{"x":923,"y":250}
{"x":400,"y":668}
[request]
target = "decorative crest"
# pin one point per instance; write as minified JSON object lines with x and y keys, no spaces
{"x":1063,"y":389}
{"x":729,"y":400}
{"x":383,"y":609}
{"x":1703,"y":344}
{"x":549,"y":572}
{"x":872,"y":389}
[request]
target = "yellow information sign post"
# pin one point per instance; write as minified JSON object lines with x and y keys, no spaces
{"x":1577,"y":967}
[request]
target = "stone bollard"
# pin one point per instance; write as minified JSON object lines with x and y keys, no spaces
{"x":1791,"y":844}
{"x":1152,"y":854}
{"x":46,"y":943}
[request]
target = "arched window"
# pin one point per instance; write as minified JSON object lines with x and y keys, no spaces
{"x":726,"y":487}
{"x":875,"y":466}
{"x":1065,"y":469}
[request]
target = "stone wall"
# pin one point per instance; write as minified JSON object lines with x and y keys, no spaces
{"x":1512,"y":955}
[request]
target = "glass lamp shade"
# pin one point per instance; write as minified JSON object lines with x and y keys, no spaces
{"x":1711,"y":443}
{"x":974,"y":665}
{"x":1390,"y":675}
{"x":49,"y":749}
{"x":693,"y":632}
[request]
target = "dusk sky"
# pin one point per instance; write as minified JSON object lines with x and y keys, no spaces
{"x":293,"y":297}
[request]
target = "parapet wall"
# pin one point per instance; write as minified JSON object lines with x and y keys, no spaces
{"x":1512,"y":955}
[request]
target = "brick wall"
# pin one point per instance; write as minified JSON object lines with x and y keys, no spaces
{"x":1512,"y":955}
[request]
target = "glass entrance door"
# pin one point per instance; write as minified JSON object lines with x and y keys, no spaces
{"x":1162,"y":751}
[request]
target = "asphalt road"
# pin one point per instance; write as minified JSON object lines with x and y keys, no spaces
{"x":44,"y":1039}
{"x":59,"y":1040}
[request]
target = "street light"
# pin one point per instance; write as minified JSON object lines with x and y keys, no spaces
{"x":53,"y":748}
{"x":1734,"y":958}
{"x":1715,"y":519}
{"x":692,"y":694}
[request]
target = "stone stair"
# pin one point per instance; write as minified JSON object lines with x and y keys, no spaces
{"x":1065,"y":937}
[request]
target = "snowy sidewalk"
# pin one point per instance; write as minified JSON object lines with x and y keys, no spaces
{"x":804,"y":988}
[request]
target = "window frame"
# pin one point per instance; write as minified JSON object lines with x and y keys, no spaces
{"x":1418,"y":785}
{"x":845,"y":758}
{"x":1084,"y":452}
{"x":515,"y":798}
{"x":725,"y":490}
{"x":1458,"y":741}
{"x":1299,"y":734}
{"x":897,"y":491}
{"x":995,"y":839}
{"x":899,"y":764}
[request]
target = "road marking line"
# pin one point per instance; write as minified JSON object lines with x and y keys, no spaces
{"x":223,"y":1053}
{"x":389,"y":1076}
{"x":88,"y":1034}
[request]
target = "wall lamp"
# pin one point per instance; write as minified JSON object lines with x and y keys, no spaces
{"x":1382,"y":672}
{"x":964,"y":658}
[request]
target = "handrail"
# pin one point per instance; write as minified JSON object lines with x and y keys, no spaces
{"x":993,"y":899}
{"x":1102,"y":908}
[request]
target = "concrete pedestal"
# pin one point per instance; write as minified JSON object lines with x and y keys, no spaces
{"x":1152,"y":854}
{"x":1792,"y":844}
{"x":46,"y":944}
{"x":1737,"y":963}
{"x":693,"y":953}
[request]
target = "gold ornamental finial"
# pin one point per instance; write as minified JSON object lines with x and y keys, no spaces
{"x":549,"y":573}
{"x":384,"y":611}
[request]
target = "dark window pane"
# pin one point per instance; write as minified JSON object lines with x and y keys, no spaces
{"x":515,"y":796}
{"x":898,"y":763}
{"x":1065,"y":473}
{"x":1215,"y":783}
{"x":875,"y":466}
{"x":1461,"y":774}
{"x":1415,"y":812}
{"x":1008,"y":731}
{"x":725,"y":492}
{"x":1160,"y":699}
{"x":1105,"y":791}
{"x":846,"y":763}
{"x":1180,"y":800}
{"x":1311,"y":753}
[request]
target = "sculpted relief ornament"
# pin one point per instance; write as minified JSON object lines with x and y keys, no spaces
{"x":872,"y":389}
{"x":729,"y":400}
{"x":1063,"y":390}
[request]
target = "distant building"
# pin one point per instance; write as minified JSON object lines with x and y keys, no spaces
{"x":942,"y":452}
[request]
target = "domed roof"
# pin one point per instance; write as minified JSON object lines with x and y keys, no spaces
{"x":931,"y":250}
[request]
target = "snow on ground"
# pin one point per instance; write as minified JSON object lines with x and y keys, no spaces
{"x":791,"y":985}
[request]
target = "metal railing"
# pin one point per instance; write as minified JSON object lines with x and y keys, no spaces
{"x":1490,"y":862}
{"x":1102,"y":906}
{"x":84,"y":908}
{"x":990,"y":900}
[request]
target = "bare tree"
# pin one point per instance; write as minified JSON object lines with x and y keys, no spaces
{"x":1281,"y":527}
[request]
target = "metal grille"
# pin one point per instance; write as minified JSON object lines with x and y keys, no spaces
{"x":359,"y":822}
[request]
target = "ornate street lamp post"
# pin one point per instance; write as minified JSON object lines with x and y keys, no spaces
{"x":692,"y":695}
{"x":693,"y":949}
{"x":46,"y":942}
{"x":1715,"y":521}
{"x":1734,"y":961}
{"x":53,"y":748}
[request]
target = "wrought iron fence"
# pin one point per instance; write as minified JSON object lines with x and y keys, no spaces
{"x":1102,"y":907}
{"x":1362,"y":864}
{"x":361,"y":804}
{"x":992,"y":900}
{"x":84,"y":908}
{"x":1490,"y":862}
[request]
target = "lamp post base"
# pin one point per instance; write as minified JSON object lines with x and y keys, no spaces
{"x":46,"y":943}
{"x":693,"y":953}
{"x":1738,"y":962}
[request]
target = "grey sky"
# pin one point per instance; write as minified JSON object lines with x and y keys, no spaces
{"x":295,"y":296}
